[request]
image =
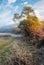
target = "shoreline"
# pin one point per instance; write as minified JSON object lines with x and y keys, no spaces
{"x":10,"y":34}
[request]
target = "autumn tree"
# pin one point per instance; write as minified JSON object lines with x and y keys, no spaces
{"x":30,"y":26}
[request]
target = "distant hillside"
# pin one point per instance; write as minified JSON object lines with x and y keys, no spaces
{"x":10,"y":29}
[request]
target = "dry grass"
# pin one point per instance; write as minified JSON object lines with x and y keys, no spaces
{"x":16,"y":52}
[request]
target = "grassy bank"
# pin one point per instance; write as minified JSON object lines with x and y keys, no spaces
{"x":14,"y":51}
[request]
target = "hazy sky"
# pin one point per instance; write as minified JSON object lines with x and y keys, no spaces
{"x":9,"y":7}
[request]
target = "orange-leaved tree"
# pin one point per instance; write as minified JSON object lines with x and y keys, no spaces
{"x":30,"y":26}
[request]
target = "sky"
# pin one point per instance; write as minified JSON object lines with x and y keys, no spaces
{"x":9,"y":7}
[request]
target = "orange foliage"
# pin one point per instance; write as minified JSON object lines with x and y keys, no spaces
{"x":37,"y":28}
